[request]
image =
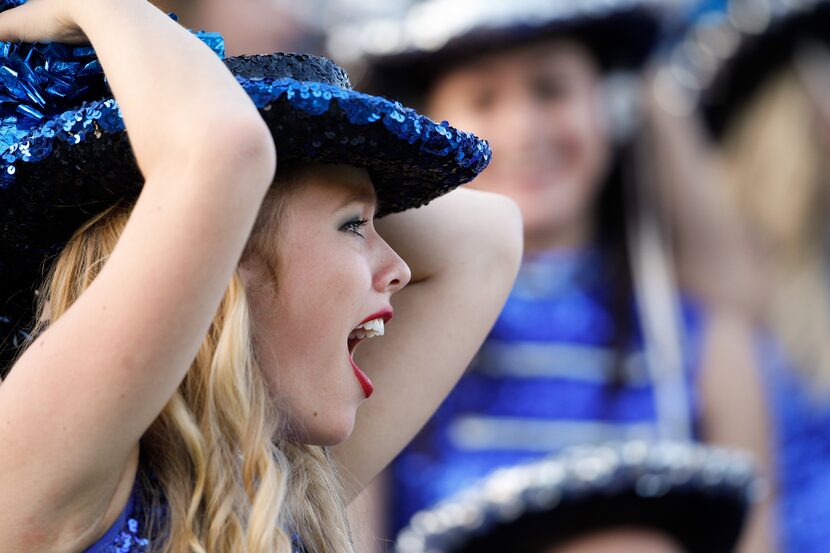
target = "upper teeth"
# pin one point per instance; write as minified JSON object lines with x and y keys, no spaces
{"x":369,"y":329}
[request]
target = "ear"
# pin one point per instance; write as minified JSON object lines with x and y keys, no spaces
{"x":251,"y":269}
{"x":257,"y":275}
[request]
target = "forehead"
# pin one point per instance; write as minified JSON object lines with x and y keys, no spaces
{"x":561,"y":53}
{"x":330,"y":187}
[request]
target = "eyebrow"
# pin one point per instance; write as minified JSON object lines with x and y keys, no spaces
{"x":364,"y":195}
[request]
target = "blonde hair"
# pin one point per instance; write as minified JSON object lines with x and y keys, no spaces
{"x":774,"y":167}
{"x":218,"y":472}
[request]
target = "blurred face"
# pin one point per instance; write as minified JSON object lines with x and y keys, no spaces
{"x":813,"y":69}
{"x":335,"y":274}
{"x":539,"y":106}
{"x":620,"y":541}
{"x":248,"y":26}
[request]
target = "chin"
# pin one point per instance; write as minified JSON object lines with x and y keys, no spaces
{"x":332,"y":431}
{"x":544,"y":224}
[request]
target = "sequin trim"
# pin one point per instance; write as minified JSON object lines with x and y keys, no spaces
{"x":104,"y":116}
{"x":439,"y":139}
{"x":129,"y":540}
{"x":128,"y":534}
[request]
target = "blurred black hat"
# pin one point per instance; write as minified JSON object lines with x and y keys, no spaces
{"x":697,"y":495}
{"x":402,"y":56}
{"x":727,"y":56}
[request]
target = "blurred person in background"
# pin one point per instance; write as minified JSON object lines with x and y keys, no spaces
{"x":765,"y":107}
{"x":762,"y":86}
{"x":593,"y":344}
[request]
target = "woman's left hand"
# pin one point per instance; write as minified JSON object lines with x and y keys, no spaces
{"x":42,"y":21}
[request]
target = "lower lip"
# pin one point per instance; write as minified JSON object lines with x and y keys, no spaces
{"x":364,"y":381}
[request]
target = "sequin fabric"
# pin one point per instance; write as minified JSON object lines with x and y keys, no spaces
{"x":39,"y":80}
{"x":543,"y":380}
{"x":42,"y":79}
{"x":459,"y":149}
{"x":127,"y":534}
{"x":426,"y":159}
{"x":129,"y":540}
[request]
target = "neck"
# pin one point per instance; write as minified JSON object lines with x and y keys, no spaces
{"x":575,"y":236}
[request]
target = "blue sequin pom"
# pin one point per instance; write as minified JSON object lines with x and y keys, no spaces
{"x":38,"y":81}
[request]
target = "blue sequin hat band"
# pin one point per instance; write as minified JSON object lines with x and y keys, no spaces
{"x":65,"y":156}
{"x":698,"y":495}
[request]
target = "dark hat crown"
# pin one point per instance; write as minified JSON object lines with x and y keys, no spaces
{"x":728,"y":55}
{"x":300,"y":67}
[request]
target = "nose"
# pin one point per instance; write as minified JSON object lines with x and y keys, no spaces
{"x":391,"y":272}
{"x":524,"y":127}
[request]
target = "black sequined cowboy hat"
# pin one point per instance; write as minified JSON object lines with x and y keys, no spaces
{"x":728,"y":55}
{"x":65,"y":156}
{"x":696,"y":495}
{"x":436,"y":35}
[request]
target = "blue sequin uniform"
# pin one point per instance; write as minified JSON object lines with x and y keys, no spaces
{"x":543,"y":380}
{"x":127,"y":534}
{"x":802,"y":421}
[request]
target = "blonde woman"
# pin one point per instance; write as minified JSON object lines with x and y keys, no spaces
{"x":197,"y":344}
{"x":775,"y":167}
{"x":763,"y":223}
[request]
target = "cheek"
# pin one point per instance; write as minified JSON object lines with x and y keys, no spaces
{"x":561,"y":181}
{"x":580,"y":126}
{"x":314,"y":298}
{"x":302,"y":335}
{"x":324,"y":288}
{"x":578,"y":137}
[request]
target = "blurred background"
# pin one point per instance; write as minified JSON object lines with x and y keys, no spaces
{"x":670,"y":159}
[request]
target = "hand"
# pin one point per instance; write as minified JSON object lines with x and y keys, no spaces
{"x":42,"y":21}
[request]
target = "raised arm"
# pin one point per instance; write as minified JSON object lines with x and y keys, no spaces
{"x":464,"y":251}
{"x":735,"y":413}
{"x":75,"y":405}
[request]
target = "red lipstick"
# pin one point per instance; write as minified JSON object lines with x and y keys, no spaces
{"x":364,"y":381}
{"x":386,"y":314}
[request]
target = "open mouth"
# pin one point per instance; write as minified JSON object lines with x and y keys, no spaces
{"x":371,"y":327}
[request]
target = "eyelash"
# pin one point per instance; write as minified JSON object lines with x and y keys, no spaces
{"x":353,"y":226}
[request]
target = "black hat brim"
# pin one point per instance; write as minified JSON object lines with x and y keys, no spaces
{"x":697,"y":496}
{"x":698,"y":522}
{"x":758,"y":57}
{"x":618,"y":38}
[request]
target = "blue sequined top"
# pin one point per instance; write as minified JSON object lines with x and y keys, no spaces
{"x":127,"y":534}
{"x":543,"y":380}
{"x":802,"y":423}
